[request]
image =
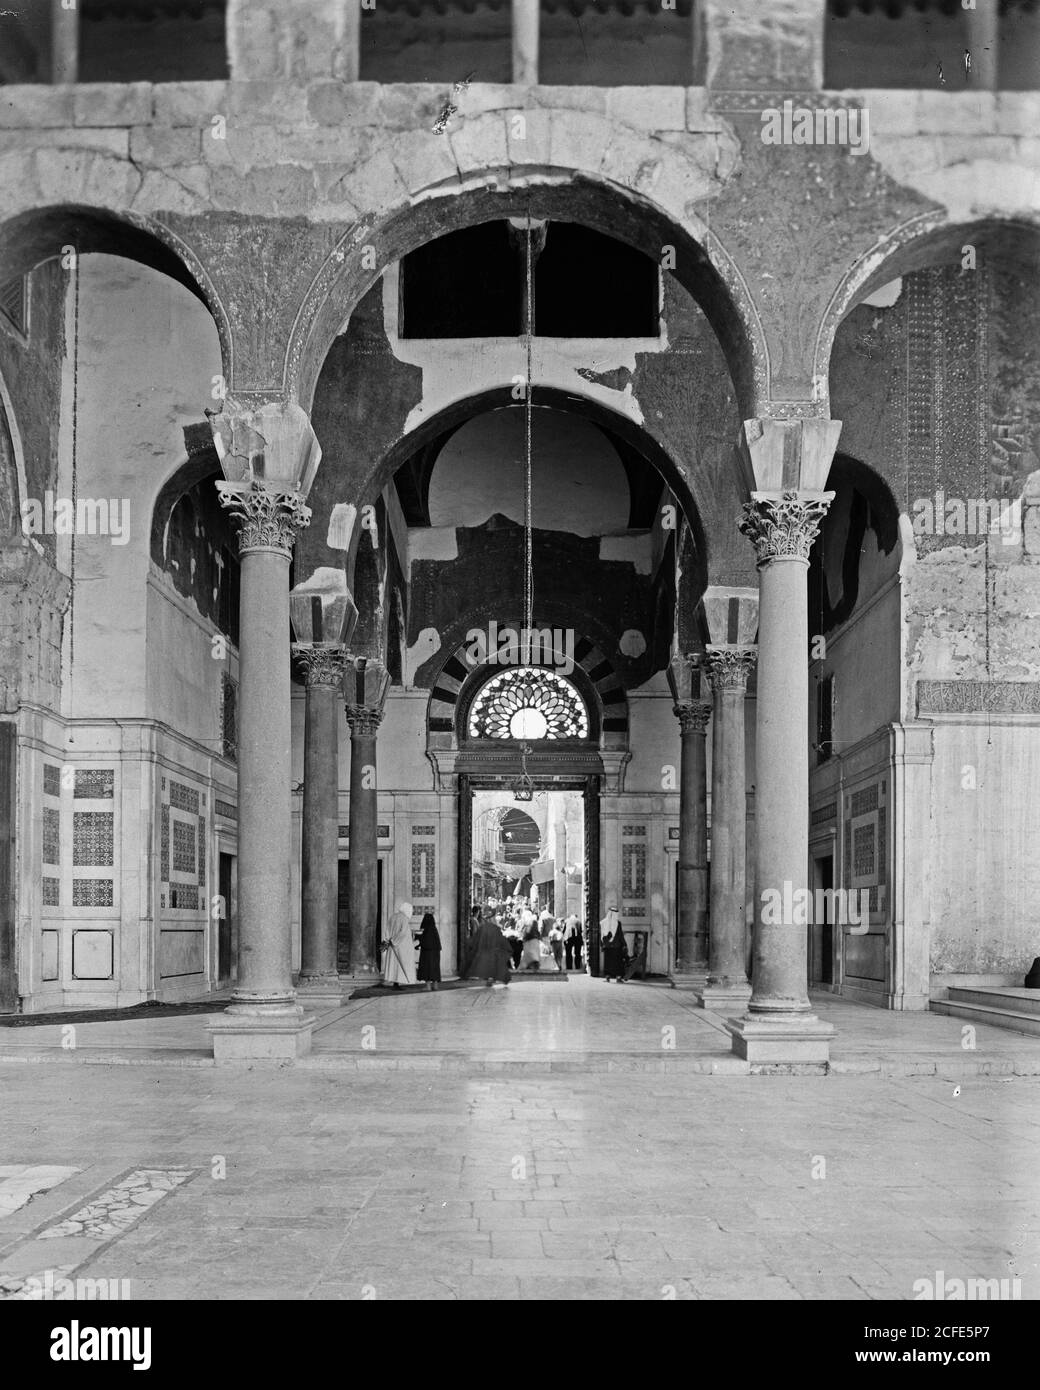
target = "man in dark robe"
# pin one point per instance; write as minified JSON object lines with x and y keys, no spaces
{"x":615,"y":956}
{"x":490,"y":956}
{"x":429,"y":952}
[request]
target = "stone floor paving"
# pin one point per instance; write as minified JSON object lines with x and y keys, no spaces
{"x":579,"y":1024}
{"x":324,"y":1182}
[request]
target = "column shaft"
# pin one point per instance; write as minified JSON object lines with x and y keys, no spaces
{"x":264,"y":772}
{"x":320,"y":834}
{"x":727,"y":971}
{"x":691,"y":952}
{"x":364,"y":857}
{"x":782,"y":786}
{"x":526,"y":16}
{"x":64,"y":43}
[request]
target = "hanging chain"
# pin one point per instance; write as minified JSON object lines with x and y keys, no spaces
{"x":528,"y":407}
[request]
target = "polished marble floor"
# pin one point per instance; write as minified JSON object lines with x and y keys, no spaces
{"x":428,"y":1180}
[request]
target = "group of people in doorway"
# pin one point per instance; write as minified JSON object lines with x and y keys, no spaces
{"x":503,"y":940}
{"x":535,"y":940}
{"x":507,"y":938}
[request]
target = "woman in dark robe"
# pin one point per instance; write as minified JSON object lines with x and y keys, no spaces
{"x":429,"y":952}
{"x":490,"y":957}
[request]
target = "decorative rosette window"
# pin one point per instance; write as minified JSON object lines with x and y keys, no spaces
{"x":528,"y":704}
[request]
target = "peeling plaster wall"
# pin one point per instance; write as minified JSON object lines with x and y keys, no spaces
{"x":147,"y":352}
{"x":32,"y":373}
{"x":985,"y":851}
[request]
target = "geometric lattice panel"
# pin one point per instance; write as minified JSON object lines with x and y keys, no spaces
{"x":92,"y":892}
{"x":94,"y":784}
{"x":51,"y":836}
{"x":92,"y":838}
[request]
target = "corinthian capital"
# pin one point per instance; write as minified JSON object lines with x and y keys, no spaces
{"x":364,"y":722}
{"x":784,"y":527}
{"x":729,"y":667}
{"x":268,"y":519}
{"x":693,"y":716}
{"x":321,"y":665}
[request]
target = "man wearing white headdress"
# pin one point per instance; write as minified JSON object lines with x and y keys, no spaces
{"x":399,"y":949}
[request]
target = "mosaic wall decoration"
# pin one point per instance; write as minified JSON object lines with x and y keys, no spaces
{"x":424,"y":872}
{"x":51,"y":892}
{"x":183,"y":830}
{"x":92,"y":892}
{"x":424,"y":830}
{"x":95,"y":784}
{"x":51,"y":836}
{"x":633,"y":871}
{"x":628,"y":830}
{"x":92,"y":838}
{"x":164,"y":845}
{"x":184,"y":860}
{"x":863,"y":851}
{"x":864,"y":801}
{"x":823,"y":815}
{"x":188,"y":898}
{"x":184,"y":798}
{"x":229,"y":716}
{"x":225,"y":808}
{"x":51,"y":780}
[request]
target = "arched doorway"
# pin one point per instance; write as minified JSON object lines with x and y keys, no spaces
{"x":529,"y":760}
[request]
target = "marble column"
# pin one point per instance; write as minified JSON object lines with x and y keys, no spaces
{"x":263,"y":1019}
{"x":64,"y":43}
{"x":319,"y":976}
{"x":779,"y":1027}
{"x":692,"y":945}
{"x":728,"y":987}
{"x":365,"y":963}
{"x":526,"y":17}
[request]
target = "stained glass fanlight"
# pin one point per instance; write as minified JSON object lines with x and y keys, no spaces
{"x":528,"y":703}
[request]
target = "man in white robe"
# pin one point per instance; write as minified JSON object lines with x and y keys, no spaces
{"x":399,"y":949}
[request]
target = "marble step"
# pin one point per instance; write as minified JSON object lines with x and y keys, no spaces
{"x":1018,"y":1000}
{"x":994,"y":1015}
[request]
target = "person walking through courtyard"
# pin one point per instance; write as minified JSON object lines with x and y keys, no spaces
{"x":399,"y":949}
{"x":532,"y":953}
{"x":429,"y":951}
{"x":572,"y":942}
{"x":556,"y":942}
{"x":489,"y":959}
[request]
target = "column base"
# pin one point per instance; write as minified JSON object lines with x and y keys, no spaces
{"x":723,"y":996}
{"x":273,"y":1037}
{"x":691,"y":977}
{"x":775,"y":1040}
{"x":320,"y":991}
{"x":367,"y":979}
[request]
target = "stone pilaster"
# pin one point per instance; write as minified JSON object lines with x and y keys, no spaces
{"x":692,"y":949}
{"x":319,"y":978}
{"x":780,"y":1028}
{"x":728,"y":668}
{"x":263,"y":450}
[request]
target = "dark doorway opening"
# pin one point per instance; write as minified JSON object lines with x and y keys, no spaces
{"x":343,"y":912}
{"x":225,"y":925}
{"x":821,"y":934}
